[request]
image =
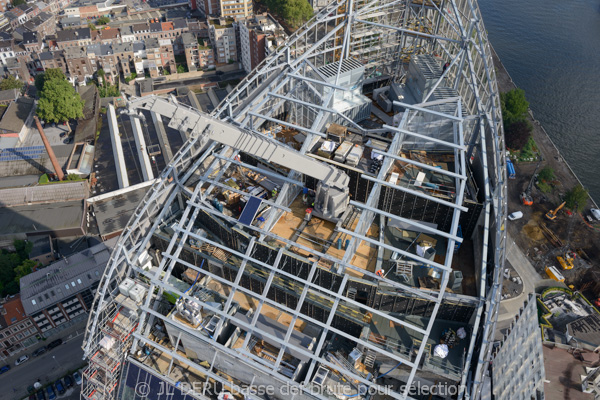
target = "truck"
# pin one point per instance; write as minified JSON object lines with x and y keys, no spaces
{"x":510,"y":169}
{"x":554,"y":274}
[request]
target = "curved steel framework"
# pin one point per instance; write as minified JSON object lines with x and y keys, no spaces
{"x":292,"y":90}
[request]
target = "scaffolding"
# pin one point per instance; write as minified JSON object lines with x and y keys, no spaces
{"x":113,"y":340}
{"x":315,"y":279}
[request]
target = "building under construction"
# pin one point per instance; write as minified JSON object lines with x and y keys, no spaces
{"x":334,"y":229}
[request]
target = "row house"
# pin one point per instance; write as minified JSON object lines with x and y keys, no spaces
{"x":106,"y":36}
{"x":159,"y":53}
{"x":44,"y":24}
{"x":32,"y":42}
{"x":125,"y":57}
{"x":4,"y":4}
{"x":4,"y":22}
{"x":7,"y":50}
{"x":17,"y":330}
{"x":52,"y":59}
{"x":21,"y":67}
{"x":80,"y":67}
{"x":197,"y":55}
{"x":16,"y":17}
{"x":223,"y":38}
{"x":73,"y":38}
{"x":158,"y":30}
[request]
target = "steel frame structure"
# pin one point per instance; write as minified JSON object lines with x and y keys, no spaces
{"x":382,"y":35}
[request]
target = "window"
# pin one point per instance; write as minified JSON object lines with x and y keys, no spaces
{"x":73,"y":284}
{"x":79,"y":281}
{"x":67,"y":286}
{"x":33,"y":301}
{"x":46,"y":296}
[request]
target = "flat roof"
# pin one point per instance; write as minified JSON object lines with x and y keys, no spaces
{"x":32,"y":219}
{"x":113,"y":214}
{"x":64,"y":278}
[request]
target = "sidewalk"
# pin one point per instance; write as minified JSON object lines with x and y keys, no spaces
{"x":66,"y":335}
{"x":514,"y":255}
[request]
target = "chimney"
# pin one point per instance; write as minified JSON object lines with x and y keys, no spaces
{"x":57,"y":168}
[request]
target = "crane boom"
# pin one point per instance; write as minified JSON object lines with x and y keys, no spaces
{"x":332,"y":194}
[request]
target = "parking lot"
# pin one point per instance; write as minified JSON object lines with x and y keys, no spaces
{"x":53,"y":133}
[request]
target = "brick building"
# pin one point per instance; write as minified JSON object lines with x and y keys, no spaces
{"x":17,"y":330}
{"x":222,"y":37}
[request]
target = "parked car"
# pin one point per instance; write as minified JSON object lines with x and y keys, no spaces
{"x":54,"y":344}
{"x":41,"y":395}
{"x":51,"y":392}
{"x":515,"y":215}
{"x":219,"y":72}
{"x":60,"y":387}
{"x":596,"y":213}
{"x":63,"y":134}
{"x":67,"y":140}
{"x":22,"y":359}
{"x":39,"y":351}
{"x":77,"y":377}
{"x":4,"y":369}
{"x":68,"y":381}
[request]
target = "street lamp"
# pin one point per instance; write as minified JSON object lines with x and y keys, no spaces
{"x":57,"y":364}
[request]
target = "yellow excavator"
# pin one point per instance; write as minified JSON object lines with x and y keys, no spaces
{"x":551,"y":215}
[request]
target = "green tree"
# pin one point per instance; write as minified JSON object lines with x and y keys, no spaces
{"x":92,"y":27}
{"x":49,"y":74}
{"x":73,"y":177}
{"x":102,"y":21}
{"x":546,"y":174}
{"x":23,"y":248}
{"x":18,"y":2}
{"x":514,"y":106}
{"x":296,"y":11}
{"x":517,"y":134}
{"x":181,"y":69}
{"x":576,"y":198}
{"x":10,"y":82}
{"x":24,"y":269}
{"x":59,"y":102}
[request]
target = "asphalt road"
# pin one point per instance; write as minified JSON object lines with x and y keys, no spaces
{"x":47,"y":368}
{"x":203,"y":79}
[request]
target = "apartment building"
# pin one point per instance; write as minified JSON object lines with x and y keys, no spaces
{"x":44,"y":24}
{"x":222,"y":37}
{"x":79,"y":65}
{"x":236,"y":8}
{"x":62,"y":293}
{"x":209,"y":7}
{"x":17,"y":330}
{"x":159,"y":53}
{"x":52,"y":59}
{"x":7,"y":50}
{"x":198,"y":55}
{"x":125,"y":55}
{"x":259,"y":36}
{"x":73,"y":38}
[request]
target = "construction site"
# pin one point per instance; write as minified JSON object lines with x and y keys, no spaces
{"x":336,"y":225}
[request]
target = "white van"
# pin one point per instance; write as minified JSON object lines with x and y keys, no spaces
{"x":515,"y":215}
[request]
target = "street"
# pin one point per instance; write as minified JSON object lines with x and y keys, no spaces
{"x":47,"y":368}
